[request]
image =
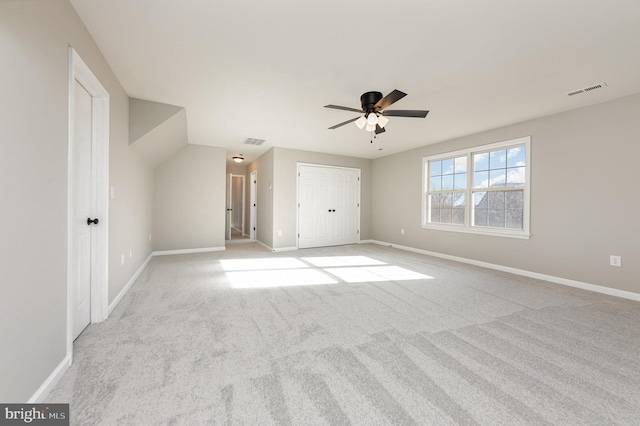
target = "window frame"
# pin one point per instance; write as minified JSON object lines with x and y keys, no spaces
{"x":468,"y":227}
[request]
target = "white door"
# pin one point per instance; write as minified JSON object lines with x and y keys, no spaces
{"x":254,"y":205}
{"x":346,"y":203}
{"x":227,"y":232}
{"x":329,"y":206}
{"x":81,"y":207}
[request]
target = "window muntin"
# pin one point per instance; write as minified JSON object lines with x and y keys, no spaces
{"x":481,"y":190}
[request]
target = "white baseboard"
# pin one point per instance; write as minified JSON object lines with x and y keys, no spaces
{"x":366,"y":242}
{"x":284,"y":249}
{"x":188,"y":251}
{"x":53,"y":379}
{"x":556,"y":280}
{"x":126,"y":288}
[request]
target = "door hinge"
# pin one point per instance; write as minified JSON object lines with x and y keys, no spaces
{"x":298,"y":174}
{"x":358,"y":179}
{"x":358,"y":231}
{"x":298,"y":205}
{"x":298,"y":235}
{"x":358,"y":204}
{"x":254,"y":228}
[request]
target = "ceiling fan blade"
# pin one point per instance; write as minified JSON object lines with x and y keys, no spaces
{"x":379,"y":129}
{"x":343,"y":123}
{"x":392,"y":97}
{"x":343,"y":108}
{"x":406,"y":113}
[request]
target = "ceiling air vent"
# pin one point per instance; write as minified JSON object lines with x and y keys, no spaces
{"x":588,"y":89}
{"x":253,"y":141}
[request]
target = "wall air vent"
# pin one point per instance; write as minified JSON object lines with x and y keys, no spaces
{"x":588,"y":89}
{"x":253,"y":141}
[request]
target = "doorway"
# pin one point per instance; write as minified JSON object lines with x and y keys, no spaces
{"x":236,"y":229}
{"x":88,"y":180}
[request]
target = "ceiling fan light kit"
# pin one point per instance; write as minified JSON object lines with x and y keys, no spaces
{"x":374,"y":110}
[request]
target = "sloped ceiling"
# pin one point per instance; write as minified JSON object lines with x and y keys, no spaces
{"x":156,"y":131}
{"x":250,"y":68}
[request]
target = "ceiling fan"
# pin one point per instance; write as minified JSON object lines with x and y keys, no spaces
{"x":375,"y":113}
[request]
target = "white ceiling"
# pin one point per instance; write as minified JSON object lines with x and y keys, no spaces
{"x":265,"y":69}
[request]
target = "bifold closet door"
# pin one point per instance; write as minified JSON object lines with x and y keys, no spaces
{"x":328,"y":210}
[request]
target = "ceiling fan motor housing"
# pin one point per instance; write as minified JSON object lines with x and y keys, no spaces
{"x":369,"y":101}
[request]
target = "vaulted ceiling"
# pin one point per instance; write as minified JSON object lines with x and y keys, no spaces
{"x":265,"y":69}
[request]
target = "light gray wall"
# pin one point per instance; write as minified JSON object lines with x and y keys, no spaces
{"x":147,"y":115}
{"x":584,"y":199}
{"x":33,"y":177}
{"x":189,"y":202}
{"x":264,"y":223}
{"x":285,"y":191}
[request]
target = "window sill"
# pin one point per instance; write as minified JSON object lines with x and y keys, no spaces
{"x":481,"y":231}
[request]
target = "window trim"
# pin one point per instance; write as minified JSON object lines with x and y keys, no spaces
{"x":524,"y":233}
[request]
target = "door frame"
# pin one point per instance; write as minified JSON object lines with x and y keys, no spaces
{"x":298,"y":165}
{"x":78,"y":70}
{"x":253,"y":205}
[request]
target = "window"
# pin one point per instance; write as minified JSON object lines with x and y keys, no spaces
{"x":481,"y":190}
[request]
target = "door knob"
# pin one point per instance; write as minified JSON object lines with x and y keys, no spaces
{"x":94,"y":221}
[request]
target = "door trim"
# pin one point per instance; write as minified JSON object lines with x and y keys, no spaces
{"x":78,"y":70}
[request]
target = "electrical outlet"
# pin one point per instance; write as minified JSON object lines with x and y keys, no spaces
{"x":149,"y":237}
{"x":615,"y":261}
{"x":279,"y":232}
{"x":130,"y":253}
{"x":402,"y":231}
{"x":122,"y":260}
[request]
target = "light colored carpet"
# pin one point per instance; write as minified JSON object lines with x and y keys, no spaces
{"x":363,"y":335}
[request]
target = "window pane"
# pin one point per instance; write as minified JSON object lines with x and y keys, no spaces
{"x":496,"y":200}
{"x":436,"y":183}
{"x":480,"y":200}
{"x":481,"y":180}
{"x":516,"y":157}
{"x":461,"y":164}
{"x":514,"y":199}
{"x":447,"y":166}
{"x":458,"y":199}
{"x":435,"y":215}
{"x":457,"y":216}
{"x":496,"y":218}
{"x":436,"y":167}
{"x":515,"y":176}
{"x":460,"y":181}
{"x":514,"y":219}
{"x":481,"y":161}
{"x":435,"y":201}
{"x":480,"y":217}
{"x":446,"y":200}
{"x":445,"y":216}
{"x":447,"y":182}
{"x":497,"y":178}
{"x":498,"y":159}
